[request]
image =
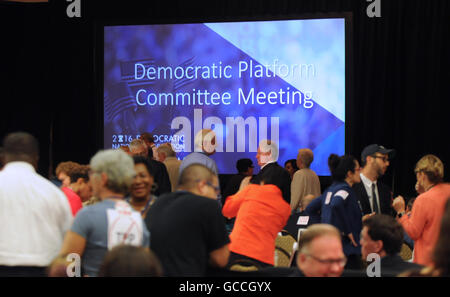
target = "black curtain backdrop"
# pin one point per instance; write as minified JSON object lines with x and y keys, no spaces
{"x":49,"y":81}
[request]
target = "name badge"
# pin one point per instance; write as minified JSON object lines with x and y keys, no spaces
{"x":124,"y":226}
{"x":303,"y":220}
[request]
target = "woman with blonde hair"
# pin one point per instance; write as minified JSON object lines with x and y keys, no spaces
{"x":424,"y":223}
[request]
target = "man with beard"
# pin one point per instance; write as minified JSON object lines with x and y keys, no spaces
{"x":373,"y":196}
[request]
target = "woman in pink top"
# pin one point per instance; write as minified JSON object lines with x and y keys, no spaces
{"x":424,"y":223}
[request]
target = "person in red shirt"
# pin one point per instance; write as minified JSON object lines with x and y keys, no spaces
{"x":79,"y":189}
{"x":424,"y":223}
{"x":261,"y":212}
{"x":63,"y":171}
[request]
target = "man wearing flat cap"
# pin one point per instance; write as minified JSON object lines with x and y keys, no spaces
{"x":374,"y":196}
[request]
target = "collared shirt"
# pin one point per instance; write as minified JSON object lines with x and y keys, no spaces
{"x":267,"y":164}
{"x":34,"y":216}
{"x":368,"y":186}
{"x":200,"y":158}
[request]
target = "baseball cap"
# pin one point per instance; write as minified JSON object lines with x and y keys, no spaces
{"x":375,"y":148}
{"x":243,"y":164}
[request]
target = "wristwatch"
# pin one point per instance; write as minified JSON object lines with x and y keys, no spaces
{"x":400,"y":214}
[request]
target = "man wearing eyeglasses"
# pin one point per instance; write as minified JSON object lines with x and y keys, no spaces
{"x":373,"y":196}
{"x":188,"y":232}
{"x":320,"y":252}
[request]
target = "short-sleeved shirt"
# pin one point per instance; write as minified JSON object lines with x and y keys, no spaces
{"x":199,"y":158}
{"x":74,"y":200}
{"x":92,"y":224}
{"x":185,"y":228}
{"x":34,"y":216}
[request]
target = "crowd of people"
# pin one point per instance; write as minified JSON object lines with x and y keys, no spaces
{"x":139,"y":211}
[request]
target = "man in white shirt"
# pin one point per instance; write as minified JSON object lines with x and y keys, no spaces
{"x":34,"y":213}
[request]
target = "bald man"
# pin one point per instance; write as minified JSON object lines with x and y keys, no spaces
{"x":187,"y":227}
{"x":305,"y":181}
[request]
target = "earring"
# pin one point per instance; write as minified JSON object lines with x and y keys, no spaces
{"x":154,"y":188}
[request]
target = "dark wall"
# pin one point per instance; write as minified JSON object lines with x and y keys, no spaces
{"x":49,"y":83}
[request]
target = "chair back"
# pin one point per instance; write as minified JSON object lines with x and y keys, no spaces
{"x":406,"y":252}
{"x":284,"y":250}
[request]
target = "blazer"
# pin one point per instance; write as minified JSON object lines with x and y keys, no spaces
{"x":393,"y":265}
{"x":385,"y":196}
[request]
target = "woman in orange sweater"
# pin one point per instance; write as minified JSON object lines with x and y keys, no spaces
{"x":424,"y":223}
{"x":261,"y":213}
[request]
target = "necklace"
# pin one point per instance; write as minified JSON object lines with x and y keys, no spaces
{"x":114,"y":198}
{"x":147,"y":205}
{"x":430,"y":187}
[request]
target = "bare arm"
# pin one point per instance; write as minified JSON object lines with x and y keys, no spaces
{"x":219,"y":257}
{"x":73,"y":243}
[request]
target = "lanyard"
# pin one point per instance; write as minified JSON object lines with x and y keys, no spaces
{"x":146,"y":205}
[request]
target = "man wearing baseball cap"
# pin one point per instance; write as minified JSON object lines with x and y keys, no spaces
{"x":374,"y":196}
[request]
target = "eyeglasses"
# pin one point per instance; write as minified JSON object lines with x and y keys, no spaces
{"x":341,"y":262}
{"x":216,"y":188}
{"x":384,"y":158}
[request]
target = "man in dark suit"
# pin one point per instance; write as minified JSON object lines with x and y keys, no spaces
{"x":383,"y":235}
{"x":267,"y":156}
{"x":374,"y":196}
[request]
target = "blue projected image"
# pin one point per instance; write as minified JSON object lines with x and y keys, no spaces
{"x":248,"y":81}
